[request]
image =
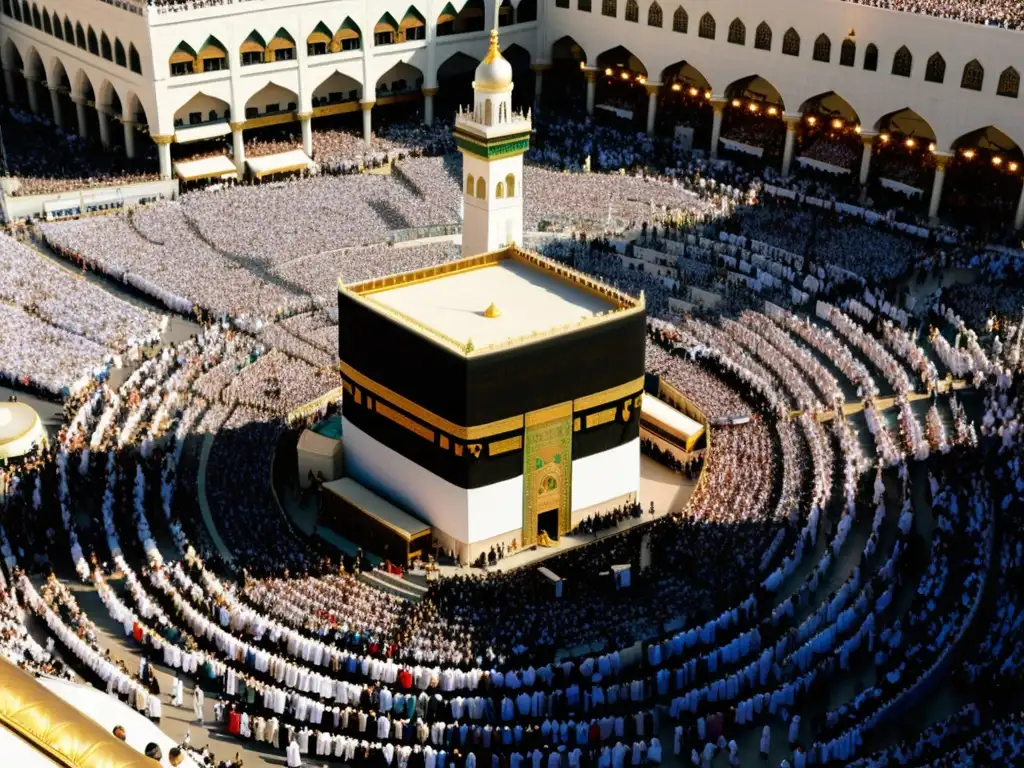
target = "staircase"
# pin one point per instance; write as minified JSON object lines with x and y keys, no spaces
{"x":396,"y":585}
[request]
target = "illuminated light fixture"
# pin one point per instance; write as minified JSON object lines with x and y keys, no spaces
{"x":1013,"y":167}
{"x":753,"y":107}
{"x":884,"y":137}
{"x":931,"y":147}
{"x":857,"y":129}
{"x":837,"y":123}
{"x":707,"y":95}
{"x":997,"y":160}
{"x":773,"y":111}
{"x":910,"y":143}
{"x":812,"y":120}
{"x":735,"y":102}
{"x":625,"y":75}
{"x":693,"y":91}
{"x":676,"y":87}
{"x":608,"y":71}
{"x":641,"y":79}
{"x":968,"y":153}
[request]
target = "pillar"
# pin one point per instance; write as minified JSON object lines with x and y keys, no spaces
{"x":591,"y":74}
{"x":792,"y":121}
{"x":104,"y":122}
{"x":538,"y":84}
{"x":163,"y":145}
{"x":129,"y":136}
{"x":867,"y":138}
{"x":367,"y":120}
{"x":55,"y":107}
{"x":82,"y":116}
{"x":306,"y":121}
{"x":31,"y":84}
{"x":652,"y":106}
{"x":9,"y":85}
{"x":238,"y":148}
{"x":941,"y":161}
{"x":718,"y":105}
{"x":428,"y":105}
{"x":1018,"y":219}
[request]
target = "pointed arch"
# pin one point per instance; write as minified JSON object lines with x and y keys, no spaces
{"x":609,"y":8}
{"x":470,"y":18}
{"x":120,"y":55}
{"x":632,"y":11}
{"x":791,"y":43}
{"x":510,"y":185}
{"x":271,"y":99}
{"x":847,"y":53}
{"x":201,"y":108}
{"x":763,"y":37}
{"x":94,"y":43}
{"x":182,"y":60}
{"x":401,"y":78}
{"x":80,"y":36}
{"x":526,"y":11}
{"x":737,"y":32}
{"x":281,"y":46}
{"x":680,"y":20}
{"x":871,"y":58}
{"x":1009,"y":83}
{"x":973,"y":77}
{"x":134,"y":60}
{"x":69,"y":32}
{"x":706,"y":28}
{"x":623,"y":59}
{"x":106,"y":49}
{"x":413,"y":26}
{"x":337,"y":88}
{"x":470,"y":185}
{"x":908,"y":122}
{"x":902,"y":62}
{"x":758,"y":89}
{"x":253,"y":49}
{"x":318,"y":42}
{"x":446,"y":20}
{"x":213,"y":56}
{"x":47,"y":23}
{"x":832,"y":106}
{"x":481,"y":187}
{"x":567,"y":51}
{"x":349,"y":37}
{"x":499,"y":190}
{"x":37,"y":20}
{"x":654,"y":15}
{"x":683,"y":75}
{"x":935,"y":68}
{"x":58,"y":28}
{"x":822,"y":49}
{"x":506,"y":13}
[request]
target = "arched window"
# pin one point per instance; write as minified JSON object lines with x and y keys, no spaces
{"x":58,"y":28}
{"x":791,"y":43}
{"x":680,"y":20}
{"x":94,"y":45}
{"x":973,"y":77}
{"x":120,"y":57}
{"x":609,"y":8}
{"x":763,"y":37}
{"x":499,"y":191}
{"x":17,"y":11}
{"x":253,"y":49}
{"x":47,"y":26}
{"x":902,"y":62}
{"x":481,"y":188}
{"x":847,"y":53}
{"x":632,"y":11}
{"x":706,"y":28}
{"x":654,"y":15}
{"x":80,"y":36}
{"x":106,"y":51}
{"x":183,"y":60}
{"x":69,"y":31}
{"x":134,"y":62}
{"x":871,"y":58}
{"x":1009,"y":83}
{"x":822,"y":49}
{"x":935,"y":70}
{"x":510,"y":185}
{"x":488,"y":113}
{"x":583,"y":5}
{"x":737,"y":32}
{"x":469,"y":185}
{"x":37,"y":20}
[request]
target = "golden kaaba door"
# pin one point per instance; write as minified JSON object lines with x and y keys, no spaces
{"x":547,"y":469}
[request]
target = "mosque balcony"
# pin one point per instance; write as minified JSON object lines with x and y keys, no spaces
{"x":517,"y":123}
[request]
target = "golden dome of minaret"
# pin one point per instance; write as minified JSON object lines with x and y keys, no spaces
{"x":492,"y":311}
{"x":494,"y":73}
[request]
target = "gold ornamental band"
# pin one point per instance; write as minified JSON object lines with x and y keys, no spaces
{"x":490,"y":429}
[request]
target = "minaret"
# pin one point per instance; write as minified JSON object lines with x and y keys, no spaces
{"x":493,"y":140}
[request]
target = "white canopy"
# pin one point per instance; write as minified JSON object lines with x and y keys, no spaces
{"x":216,"y":167}
{"x":281,"y":162}
{"x":187,"y":133}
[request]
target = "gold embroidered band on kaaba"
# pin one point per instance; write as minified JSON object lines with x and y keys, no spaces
{"x":478,"y":431}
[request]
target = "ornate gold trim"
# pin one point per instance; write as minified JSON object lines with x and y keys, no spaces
{"x":601,"y":417}
{"x":499,"y":447}
{"x":628,"y":389}
{"x":551,"y":413}
{"x":476,"y":432}
{"x":403,"y":421}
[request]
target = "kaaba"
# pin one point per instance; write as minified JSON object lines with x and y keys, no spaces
{"x":496,"y":397}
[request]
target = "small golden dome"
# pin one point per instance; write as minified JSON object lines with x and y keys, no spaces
{"x":492,"y":311}
{"x":494,"y":73}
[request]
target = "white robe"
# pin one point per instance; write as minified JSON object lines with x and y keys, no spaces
{"x":177,"y":693}
{"x":293,"y":755}
{"x":197,"y":703}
